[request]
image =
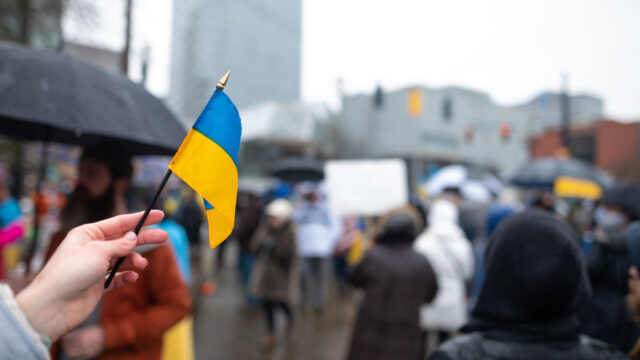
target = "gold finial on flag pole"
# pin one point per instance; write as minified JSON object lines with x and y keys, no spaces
{"x":223,"y":80}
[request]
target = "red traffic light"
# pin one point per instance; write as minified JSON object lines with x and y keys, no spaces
{"x":504,"y":130}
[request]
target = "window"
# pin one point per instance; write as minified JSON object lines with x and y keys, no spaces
{"x":447,"y":109}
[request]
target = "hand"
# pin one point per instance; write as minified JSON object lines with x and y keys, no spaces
{"x":84,"y":343}
{"x":70,"y":285}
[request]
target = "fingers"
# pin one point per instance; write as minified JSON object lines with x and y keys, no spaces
{"x":132,"y":261}
{"x":119,"y":248}
{"x":122,"y":224}
{"x":122,"y":279}
{"x":152,"y":236}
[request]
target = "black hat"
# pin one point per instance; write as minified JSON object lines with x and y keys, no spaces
{"x":399,"y":226}
{"x":112,"y":154}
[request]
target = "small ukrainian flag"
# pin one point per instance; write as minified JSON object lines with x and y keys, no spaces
{"x":208,"y":161}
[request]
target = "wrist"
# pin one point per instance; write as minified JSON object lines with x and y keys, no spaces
{"x":43,"y":314}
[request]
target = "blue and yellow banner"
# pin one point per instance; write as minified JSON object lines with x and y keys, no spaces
{"x":208,"y":161}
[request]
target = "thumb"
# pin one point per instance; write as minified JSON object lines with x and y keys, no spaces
{"x":121,"y":247}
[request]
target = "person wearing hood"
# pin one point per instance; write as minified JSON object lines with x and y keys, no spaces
{"x":274,"y":276}
{"x":606,"y":316}
{"x":535,"y":284}
{"x":396,"y":282}
{"x":451,"y":254}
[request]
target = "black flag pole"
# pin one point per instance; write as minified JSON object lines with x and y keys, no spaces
{"x":219,"y":86}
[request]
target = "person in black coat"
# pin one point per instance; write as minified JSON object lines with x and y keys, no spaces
{"x":535,"y":284}
{"x":606,"y":316}
{"x":396,"y":281}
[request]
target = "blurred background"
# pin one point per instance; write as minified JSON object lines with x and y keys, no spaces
{"x":367,"y":105}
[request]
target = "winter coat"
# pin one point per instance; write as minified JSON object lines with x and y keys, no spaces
{"x":606,"y":316}
{"x":18,"y":340}
{"x":396,"y":281}
{"x":535,"y":284}
{"x":274,"y":274}
{"x":478,"y":347}
{"x":451,"y":256}
{"x":317,"y":230}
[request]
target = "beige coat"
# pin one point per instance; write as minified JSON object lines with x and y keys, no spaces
{"x":274,"y":275}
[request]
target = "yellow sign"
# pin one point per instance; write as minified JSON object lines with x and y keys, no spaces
{"x":576,"y":188}
{"x":415,"y":102}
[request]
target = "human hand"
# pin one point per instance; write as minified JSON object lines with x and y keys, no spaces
{"x":70,"y":285}
{"x":84,"y":343}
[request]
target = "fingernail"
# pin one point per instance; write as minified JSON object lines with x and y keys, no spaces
{"x":130,"y":235}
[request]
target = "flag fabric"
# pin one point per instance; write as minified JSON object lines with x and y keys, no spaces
{"x":208,"y":162}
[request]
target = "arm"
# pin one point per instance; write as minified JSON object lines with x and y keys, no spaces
{"x":359,"y":275}
{"x":171,"y":303}
{"x":285,"y":251}
{"x":256,"y":239}
{"x":18,"y":340}
{"x":432,"y":283}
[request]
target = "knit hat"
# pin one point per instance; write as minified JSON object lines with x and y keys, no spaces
{"x":535,"y":280}
{"x":625,"y":196}
{"x":112,"y":154}
{"x":398,"y":226}
{"x":280,"y":208}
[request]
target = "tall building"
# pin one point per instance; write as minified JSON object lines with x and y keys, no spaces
{"x":260,"y":41}
{"x":545,"y":110}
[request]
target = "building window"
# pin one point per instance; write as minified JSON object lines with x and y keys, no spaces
{"x":447,"y":109}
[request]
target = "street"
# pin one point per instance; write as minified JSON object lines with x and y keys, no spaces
{"x":225,"y":327}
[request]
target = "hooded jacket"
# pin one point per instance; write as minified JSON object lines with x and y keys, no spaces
{"x":451,"y":255}
{"x":535,"y":285}
{"x":396,"y":281}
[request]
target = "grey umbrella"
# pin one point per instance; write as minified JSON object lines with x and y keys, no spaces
{"x":542,"y":173}
{"x":53,"y":97}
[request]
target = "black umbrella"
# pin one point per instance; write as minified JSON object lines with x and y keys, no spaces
{"x":542,"y":173}
{"x":298,"y":169}
{"x":53,"y":97}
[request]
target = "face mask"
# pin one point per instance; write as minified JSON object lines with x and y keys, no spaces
{"x":609,"y":220}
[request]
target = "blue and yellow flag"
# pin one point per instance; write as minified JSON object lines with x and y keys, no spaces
{"x":208,"y":161}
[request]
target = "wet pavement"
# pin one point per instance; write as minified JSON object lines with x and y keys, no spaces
{"x":225,"y":327}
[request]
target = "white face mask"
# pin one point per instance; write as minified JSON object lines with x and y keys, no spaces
{"x":609,"y":220}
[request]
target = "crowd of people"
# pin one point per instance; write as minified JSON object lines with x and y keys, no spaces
{"x":443,"y":279}
{"x":454,"y":279}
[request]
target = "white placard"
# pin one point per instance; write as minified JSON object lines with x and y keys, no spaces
{"x":366,"y":187}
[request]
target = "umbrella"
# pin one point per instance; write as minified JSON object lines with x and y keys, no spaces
{"x":298,"y":169}
{"x":543,"y":173}
{"x":474,"y":184}
{"x":52,"y":97}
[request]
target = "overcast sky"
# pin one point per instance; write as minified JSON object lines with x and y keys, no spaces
{"x":509,"y":49}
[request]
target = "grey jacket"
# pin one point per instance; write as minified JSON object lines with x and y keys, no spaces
{"x":18,"y":340}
